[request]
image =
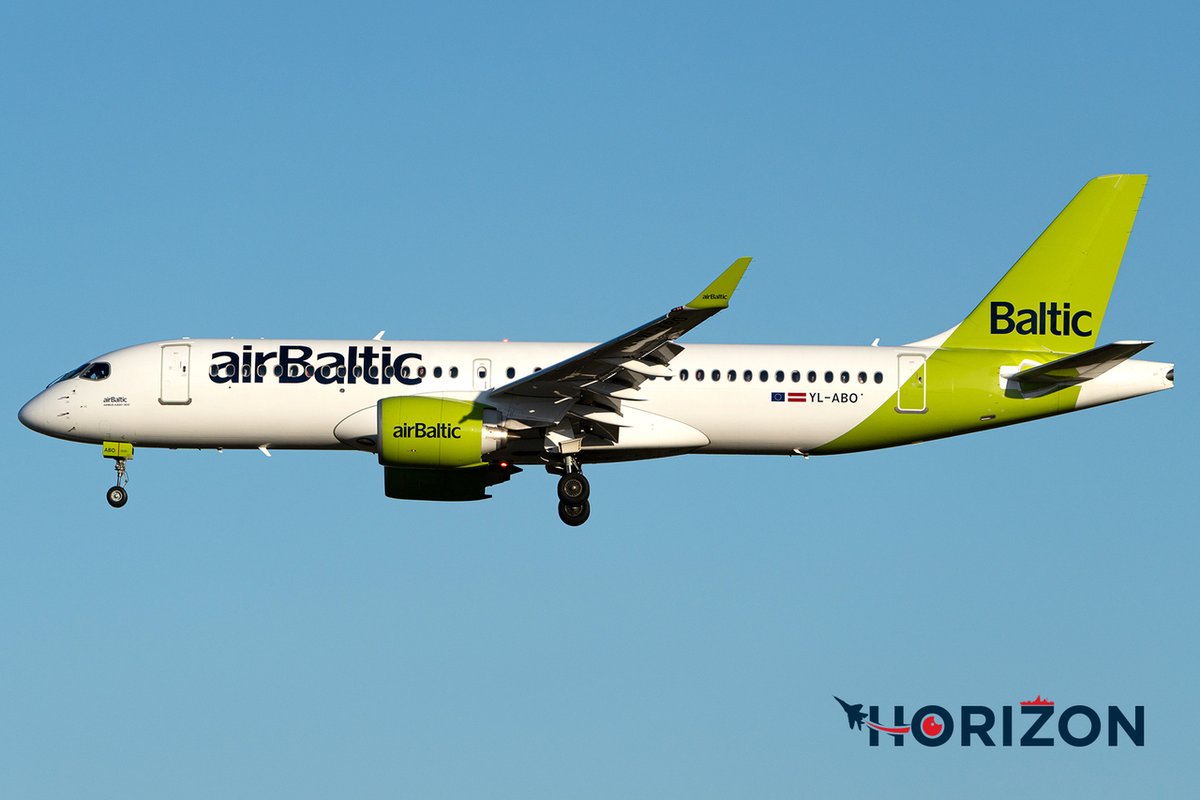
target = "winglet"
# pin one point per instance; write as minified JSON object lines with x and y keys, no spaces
{"x":719,"y":291}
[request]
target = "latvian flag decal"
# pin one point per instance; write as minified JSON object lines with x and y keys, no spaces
{"x":789,"y":397}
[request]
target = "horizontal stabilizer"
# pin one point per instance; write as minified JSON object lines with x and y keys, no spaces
{"x":1076,"y":369}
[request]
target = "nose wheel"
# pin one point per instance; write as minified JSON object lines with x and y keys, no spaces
{"x":117,"y":496}
{"x":573,"y":494}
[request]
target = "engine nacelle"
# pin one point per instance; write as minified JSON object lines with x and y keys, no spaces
{"x":435,"y":432}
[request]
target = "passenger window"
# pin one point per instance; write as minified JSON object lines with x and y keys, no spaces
{"x":829,"y":377}
{"x":795,"y":376}
{"x":358,"y":371}
{"x":762,"y":376}
{"x":373,"y":371}
{"x":812,"y":376}
{"x":308,"y":371}
{"x":454,"y":372}
{"x":341,"y":372}
{"x":747,"y":376}
{"x":421,"y":372}
{"x":699,"y":374}
{"x":510,"y":372}
{"x":437,"y":372}
{"x":862,"y":377}
{"x":246,"y":371}
{"x":683,"y":375}
{"x":779,"y":376}
{"x":388,"y":371}
{"x":732,"y":375}
{"x":879,"y":377}
{"x":405,"y":371}
{"x":278,"y":371}
{"x":716,"y":374}
{"x":845,"y":377}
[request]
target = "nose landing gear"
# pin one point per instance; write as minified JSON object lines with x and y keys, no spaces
{"x":118,"y":452}
{"x":573,"y":494}
{"x":117,"y":496}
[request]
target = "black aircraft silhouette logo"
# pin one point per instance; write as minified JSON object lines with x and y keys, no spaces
{"x":854,"y":714}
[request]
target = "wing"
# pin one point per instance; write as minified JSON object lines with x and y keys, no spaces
{"x":589,"y":387}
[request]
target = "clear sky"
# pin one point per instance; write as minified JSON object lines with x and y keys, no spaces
{"x":278,"y":628}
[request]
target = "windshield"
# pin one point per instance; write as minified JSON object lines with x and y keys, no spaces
{"x":92,"y":371}
{"x":71,"y":374}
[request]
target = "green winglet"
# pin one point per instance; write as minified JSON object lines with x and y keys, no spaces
{"x":719,"y":291}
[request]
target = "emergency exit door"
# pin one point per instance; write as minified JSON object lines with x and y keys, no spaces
{"x":481,"y":374}
{"x":176,"y":386}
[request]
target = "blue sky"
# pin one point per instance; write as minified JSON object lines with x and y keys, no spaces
{"x":250,"y":628}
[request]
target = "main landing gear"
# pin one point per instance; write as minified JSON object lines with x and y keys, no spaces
{"x":573,"y":493}
{"x":117,"y":496}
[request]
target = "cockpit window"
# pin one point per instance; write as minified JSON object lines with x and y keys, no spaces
{"x":95,"y":372}
{"x":67,"y":376}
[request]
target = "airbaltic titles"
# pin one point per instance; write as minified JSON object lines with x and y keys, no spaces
{"x":359,"y":362}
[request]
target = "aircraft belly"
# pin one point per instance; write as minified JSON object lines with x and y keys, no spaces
{"x":644,"y":430}
{"x":749,"y":422}
{"x":228,"y":418}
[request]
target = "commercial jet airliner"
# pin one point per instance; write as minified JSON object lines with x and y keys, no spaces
{"x":448,"y":420}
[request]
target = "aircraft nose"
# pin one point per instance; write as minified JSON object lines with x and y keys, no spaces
{"x":38,"y":414}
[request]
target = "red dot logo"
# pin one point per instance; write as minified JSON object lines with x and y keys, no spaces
{"x":931,"y":726}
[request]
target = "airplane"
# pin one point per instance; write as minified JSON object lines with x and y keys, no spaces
{"x":447,"y":420}
{"x":854,"y":714}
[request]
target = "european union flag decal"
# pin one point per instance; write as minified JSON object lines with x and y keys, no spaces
{"x":776,"y":397}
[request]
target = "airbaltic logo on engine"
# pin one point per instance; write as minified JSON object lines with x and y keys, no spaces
{"x":933,"y":725}
{"x":1046,"y":319}
{"x":295,"y":363}
{"x":420,"y":430}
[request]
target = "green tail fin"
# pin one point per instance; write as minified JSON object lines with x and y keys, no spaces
{"x":1054,"y":297}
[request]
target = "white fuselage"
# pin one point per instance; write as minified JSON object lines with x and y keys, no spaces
{"x":221,"y":393}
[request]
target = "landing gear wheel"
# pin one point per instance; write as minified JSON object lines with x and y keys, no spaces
{"x":117,"y":497}
{"x":573,"y":488}
{"x":574,"y":515}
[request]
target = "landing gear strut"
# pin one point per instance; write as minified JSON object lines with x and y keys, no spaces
{"x":117,"y":496}
{"x":573,"y":493}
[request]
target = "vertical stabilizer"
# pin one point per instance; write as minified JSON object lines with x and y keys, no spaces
{"x":1054,"y":297}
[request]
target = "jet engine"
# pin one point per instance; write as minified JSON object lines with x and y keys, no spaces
{"x":436,"y":432}
{"x":432,"y":448}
